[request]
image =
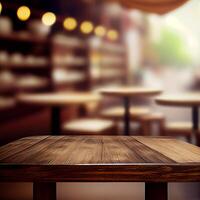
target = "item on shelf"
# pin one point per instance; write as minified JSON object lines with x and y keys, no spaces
{"x":69,"y":60}
{"x":31,"y":82}
{"x":74,"y":60}
{"x":7,"y":80}
{"x":112,"y":60}
{"x":95,"y":58}
{"x":116,"y":48}
{"x":36,"y":27}
{"x":35,"y":61}
{"x":41,"y":61}
{"x":16,"y":59}
{"x":7,"y":102}
{"x":64,"y":76}
{"x":108,"y":73}
{"x":4,"y":58}
{"x":61,"y":39}
{"x":95,"y":72}
{"x":23,"y":34}
{"x":5,"y":25}
{"x":30,"y":60}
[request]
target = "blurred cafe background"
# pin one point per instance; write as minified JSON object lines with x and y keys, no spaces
{"x":85,"y":45}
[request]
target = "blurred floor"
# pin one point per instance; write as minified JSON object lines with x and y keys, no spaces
{"x":99,"y":191}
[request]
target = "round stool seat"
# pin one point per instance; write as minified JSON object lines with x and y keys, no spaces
{"x":117,"y":113}
{"x":183,"y":129}
{"x":90,"y":126}
{"x":152,"y":117}
{"x":147,"y":121}
{"x":179,"y":127}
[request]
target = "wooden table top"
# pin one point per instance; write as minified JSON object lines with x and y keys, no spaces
{"x":130,"y":91}
{"x":99,"y":158}
{"x":59,"y":99}
{"x":190,"y":99}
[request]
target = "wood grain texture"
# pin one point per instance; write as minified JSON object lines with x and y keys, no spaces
{"x":58,"y":99}
{"x":130,"y":91}
{"x":99,"y":158}
{"x":185,"y":100}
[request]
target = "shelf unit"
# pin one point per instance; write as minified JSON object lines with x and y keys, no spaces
{"x":24,"y":67}
{"x":69,"y":60}
{"x":107,"y":64}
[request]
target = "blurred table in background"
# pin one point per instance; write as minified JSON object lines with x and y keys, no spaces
{"x":126,"y":93}
{"x":56,"y":101}
{"x":191,"y":100}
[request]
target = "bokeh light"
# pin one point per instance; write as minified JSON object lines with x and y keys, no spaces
{"x":1,"y":7}
{"x":23,"y":13}
{"x":48,"y":18}
{"x":86,"y":27}
{"x":100,"y":31}
{"x":70,"y":23}
{"x":112,"y":34}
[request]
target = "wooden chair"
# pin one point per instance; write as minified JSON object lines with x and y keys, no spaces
{"x":90,"y":126}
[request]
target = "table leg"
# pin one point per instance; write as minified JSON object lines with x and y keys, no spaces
{"x":44,"y":191}
{"x":156,"y":191}
{"x":195,"y":123}
{"x":55,"y":121}
{"x":126,"y":116}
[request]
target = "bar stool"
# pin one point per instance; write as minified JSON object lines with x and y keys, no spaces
{"x":148,"y":120}
{"x":92,"y":125}
{"x":117,"y":113}
{"x":178,"y":129}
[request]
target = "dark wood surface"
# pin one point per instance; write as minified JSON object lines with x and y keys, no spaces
{"x":99,"y":158}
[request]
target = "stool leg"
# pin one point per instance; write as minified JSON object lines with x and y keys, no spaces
{"x":195,"y":123}
{"x":44,"y":191}
{"x":146,"y":128}
{"x":126,"y":116}
{"x":189,"y":139}
{"x":156,"y":191}
{"x":161,"y":125}
{"x":55,"y":121}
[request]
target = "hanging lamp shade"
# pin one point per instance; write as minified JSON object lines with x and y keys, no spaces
{"x":154,"y":6}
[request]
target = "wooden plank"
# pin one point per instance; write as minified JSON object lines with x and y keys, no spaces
{"x":146,"y":154}
{"x":115,"y":151}
{"x":59,"y":152}
{"x":176,"y":150}
{"x":28,"y":155}
{"x":21,"y":145}
{"x":89,"y":151}
{"x":128,"y":150}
